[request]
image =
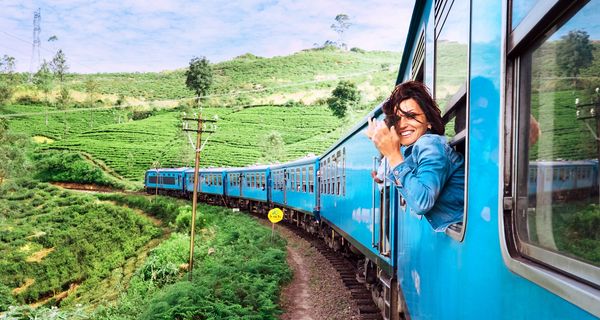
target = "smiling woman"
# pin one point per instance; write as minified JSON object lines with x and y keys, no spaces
{"x":427,"y":172}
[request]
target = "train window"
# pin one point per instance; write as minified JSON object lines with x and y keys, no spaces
{"x":451,"y":53}
{"x":311,"y":179}
{"x":304,"y":180}
{"x":326,"y":176}
{"x":450,"y":75}
{"x":557,"y":95}
{"x":344,"y":171}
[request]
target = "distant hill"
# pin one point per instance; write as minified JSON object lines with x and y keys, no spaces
{"x":252,"y":97}
{"x":248,"y":79}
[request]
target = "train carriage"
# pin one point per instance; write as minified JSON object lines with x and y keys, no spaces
{"x":254,"y":187}
{"x":211,"y":182}
{"x":509,"y":259}
{"x":165,"y":181}
{"x":294,"y":188}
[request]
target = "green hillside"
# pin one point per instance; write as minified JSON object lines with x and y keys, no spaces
{"x":128,"y":139}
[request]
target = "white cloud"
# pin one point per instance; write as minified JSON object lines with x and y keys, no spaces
{"x":137,"y":35}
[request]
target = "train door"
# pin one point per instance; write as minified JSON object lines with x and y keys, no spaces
{"x":381,"y":237}
{"x":285,"y":185}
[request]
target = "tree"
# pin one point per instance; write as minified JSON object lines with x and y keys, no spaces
{"x":59,"y":65}
{"x":43,"y":81}
{"x":13,"y":161}
{"x":199,"y":77}
{"x":343,"y":97}
{"x":574,"y":52}
{"x":91,"y":87}
{"x":272,"y":147}
{"x":7,"y":78}
{"x":341,"y":25}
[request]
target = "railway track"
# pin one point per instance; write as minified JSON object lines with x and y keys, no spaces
{"x":347,"y":271}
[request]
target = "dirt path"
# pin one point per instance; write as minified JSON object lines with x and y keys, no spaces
{"x":316,"y":291}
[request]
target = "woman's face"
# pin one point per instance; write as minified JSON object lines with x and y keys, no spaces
{"x":412,"y":123}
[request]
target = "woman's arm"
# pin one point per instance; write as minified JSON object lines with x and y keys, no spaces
{"x":423,"y":175}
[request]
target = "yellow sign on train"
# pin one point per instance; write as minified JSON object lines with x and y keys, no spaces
{"x":275,"y":215}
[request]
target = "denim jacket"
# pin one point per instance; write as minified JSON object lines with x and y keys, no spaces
{"x":432,"y":180}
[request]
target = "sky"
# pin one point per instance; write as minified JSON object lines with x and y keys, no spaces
{"x":152,"y":36}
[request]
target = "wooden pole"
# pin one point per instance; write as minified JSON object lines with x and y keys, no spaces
{"x":195,"y":195}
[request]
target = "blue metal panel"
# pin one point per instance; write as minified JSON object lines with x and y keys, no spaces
{"x":353,"y":212}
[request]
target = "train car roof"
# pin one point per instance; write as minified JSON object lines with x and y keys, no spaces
{"x":206,"y":170}
{"x":168,"y":169}
{"x":297,"y":162}
{"x":252,"y":168}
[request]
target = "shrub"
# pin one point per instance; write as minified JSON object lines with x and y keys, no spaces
{"x":6,"y":298}
{"x":28,"y":100}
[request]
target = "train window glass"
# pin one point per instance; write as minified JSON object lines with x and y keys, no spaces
{"x":558,"y":96}
{"x":324,"y":169}
{"x":520,"y":9}
{"x":451,"y":53}
{"x":451,"y":74}
{"x":344,"y":171}
{"x":311,"y":179}
{"x":330,"y":174}
{"x":304,"y":180}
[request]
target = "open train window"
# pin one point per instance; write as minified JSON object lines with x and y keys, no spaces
{"x":551,"y":208}
{"x":451,"y":76}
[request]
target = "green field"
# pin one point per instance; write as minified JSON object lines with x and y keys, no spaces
{"x":53,"y":239}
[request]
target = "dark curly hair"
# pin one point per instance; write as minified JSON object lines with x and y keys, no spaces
{"x":418,"y":91}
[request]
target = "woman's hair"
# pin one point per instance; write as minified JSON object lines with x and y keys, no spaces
{"x":418,"y":91}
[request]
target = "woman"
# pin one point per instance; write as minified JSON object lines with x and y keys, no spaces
{"x":427,"y":172}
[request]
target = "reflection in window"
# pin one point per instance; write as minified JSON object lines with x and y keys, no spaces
{"x":452,"y":53}
{"x":520,"y":8}
{"x":559,"y":169}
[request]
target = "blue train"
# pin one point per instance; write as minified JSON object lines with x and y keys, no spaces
{"x":492,"y":66}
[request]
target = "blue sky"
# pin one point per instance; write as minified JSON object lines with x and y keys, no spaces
{"x":136,"y":35}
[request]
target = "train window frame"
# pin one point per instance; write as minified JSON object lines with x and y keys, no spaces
{"x":554,"y":271}
{"x":344,"y":171}
{"x":304,"y":180}
{"x":457,"y":106}
{"x":311,"y":179}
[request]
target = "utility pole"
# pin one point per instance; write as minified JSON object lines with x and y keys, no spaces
{"x":36,"y":44}
{"x":591,"y":111}
{"x":198,"y":131}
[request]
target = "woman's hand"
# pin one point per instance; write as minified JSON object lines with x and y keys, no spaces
{"x":386,"y":141}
